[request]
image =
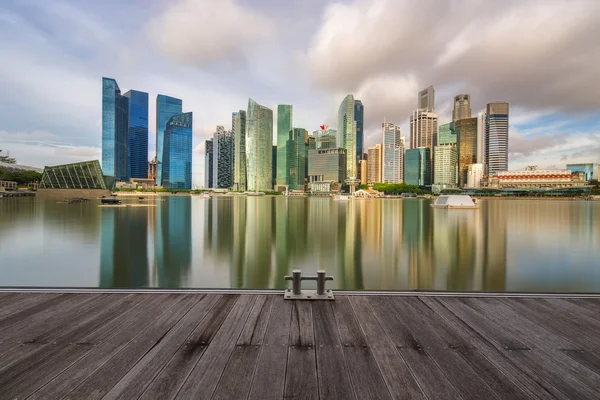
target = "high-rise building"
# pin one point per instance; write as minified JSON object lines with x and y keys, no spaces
{"x":359,"y":113}
{"x":363,"y":172}
{"x":416,"y":166}
{"x":447,"y":134}
{"x":467,"y":147}
{"x":239,"y":158}
{"x":481,"y":117}
{"x":424,"y":133}
{"x":296,"y":159}
{"x":496,"y":137}
{"x":374,"y":165}
{"x":115,"y":123}
{"x":177,"y":148}
{"x":166,"y":108}
{"x":274,"y":166}
{"x":445,"y":158}
{"x":327,"y":165}
{"x":152,"y":169}
{"x":137,"y":136}
{"x":427,"y":99}
{"x":284,"y":127}
{"x":326,"y":138}
{"x":222,"y":158}
{"x":259,"y":147}
{"x":474,"y":175}
{"x":312,"y":142}
{"x":208,"y":163}
{"x":346,"y":134}
{"x":462,"y":107}
{"x":392,"y":157}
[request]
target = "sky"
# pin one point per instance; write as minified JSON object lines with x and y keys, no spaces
{"x":541,"y":56}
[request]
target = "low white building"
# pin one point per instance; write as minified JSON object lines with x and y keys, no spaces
{"x":532,"y":177}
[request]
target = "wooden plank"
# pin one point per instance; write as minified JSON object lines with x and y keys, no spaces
{"x":491,"y":353}
{"x":236,"y":379}
{"x":105,"y":377}
{"x":395,"y":372}
{"x":592,"y":305}
{"x":135,"y":382}
{"x":301,"y":375}
{"x":269,"y":376}
{"x":587,"y":358}
{"x":431,"y":379}
{"x":138,"y":319}
{"x":576,"y":311}
{"x":20,"y":304}
{"x":364,"y":371}
{"x":203,"y":379}
{"x":170,"y":379}
{"x":8,"y":299}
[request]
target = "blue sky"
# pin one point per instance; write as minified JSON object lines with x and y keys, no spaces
{"x":541,"y":56}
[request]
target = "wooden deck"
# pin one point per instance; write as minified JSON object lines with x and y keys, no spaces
{"x":258,"y":346}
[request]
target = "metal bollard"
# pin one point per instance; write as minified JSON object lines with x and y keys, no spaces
{"x":299,"y":294}
{"x":296,"y":279}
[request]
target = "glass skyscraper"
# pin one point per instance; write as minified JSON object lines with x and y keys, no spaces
{"x":496,"y":137}
{"x":177,"y":147}
{"x":296,"y":159}
{"x":392,"y":162}
{"x":259,"y":146}
{"x":137,"y":138}
{"x":239,"y":158}
{"x":346,"y":134}
{"x":284,"y":129}
{"x":166,"y":108}
{"x":359,"y":111}
{"x":467,"y":147}
{"x":416,"y":166}
{"x":115,"y":122}
{"x":208,"y":163}
{"x":222,"y":158}
{"x":447,"y":134}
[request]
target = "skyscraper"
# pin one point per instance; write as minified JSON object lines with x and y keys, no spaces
{"x":462,"y":107}
{"x":481,"y":118}
{"x":423,"y":133}
{"x":467,"y":147}
{"x":346,"y":134}
{"x":427,"y":99}
{"x":137,"y":137}
{"x":177,"y":148}
{"x":326,"y":138}
{"x":392,"y":158}
{"x":222,"y":158}
{"x":259,"y":146}
{"x":166,"y":107}
{"x":359,"y":111}
{"x":296,"y":159}
{"x":312,"y":142}
{"x":374,"y":164}
{"x":208,"y":163}
{"x":363,"y":172}
{"x":445,"y":158}
{"x":115,"y":123}
{"x":239,"y":158}
{"x":496,"y":137}
{"x":284,"y":127}
{"x":416,"y":166}
{"x":447,"y":134}
{"x":327,"y":165}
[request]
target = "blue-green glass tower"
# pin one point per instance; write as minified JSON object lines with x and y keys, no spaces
{"x":297,"y":157}
{"x":177,"y":160}
{"x":115,"y":121}
{"x":359,"y":111}
{"x":137,"y":137}
{"x":284,"y":127}
{"x":166,"y":108}
{"x":416,"y":166}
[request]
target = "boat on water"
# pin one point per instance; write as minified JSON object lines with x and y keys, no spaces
{"x":75,"y":200}
{"x":110,"y":201}
{"x":341,"y":197}
{"x":455,"y":201}
{"x":408,"y":195}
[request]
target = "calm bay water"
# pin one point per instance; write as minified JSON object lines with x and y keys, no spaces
{"x":239,"y":242}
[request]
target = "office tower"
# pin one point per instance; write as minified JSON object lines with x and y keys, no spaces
{"x":363,"y":172}
{"x":137,"y":136}
{"x":496,"y":137}
{"x":259,"y":146}
{"x":416,"y":166}
{"x":115,"y":122}
{"x":445,"y":158}
{"x":447,"y":134}
{"x":296,"y":159}
{"x":346,"y":134}
{"x":274,"y":166}
{"x":284,"y":127}
{"x":166,"y":107}
{"x":327,"y":165}
{"x":359,"y":112}
{"x":326,"y":138}
{"x":152,"y":169}
{"x":222,"y":158}
{"x":233,"y":117}
{"x":177,"y":148}
{"x":424,"y":132}
{"x":474,"y":175}
{"x":427,"y":99}
{"x":462,"y":107}
{"x":392,"y":157}
{"x":467,"y":147}
{"x":481,"y":117}
{"x":374,"y":165}
{"x":312,"y":142}
{"x":239,"y":158}
{"x":208,"y":163}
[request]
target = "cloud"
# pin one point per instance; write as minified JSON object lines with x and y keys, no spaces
{"x":201,"y":32}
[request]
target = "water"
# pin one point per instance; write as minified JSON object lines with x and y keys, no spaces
{"x":239,"y":242}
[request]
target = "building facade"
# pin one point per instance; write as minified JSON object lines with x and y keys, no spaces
{"x":284,"y":128}
{"x":137,"y":136}
{"x":467,"y":147}
{"x":359,"y":114}
{"x":327,"y":165}
{"x":363,"y":172}
{"x":166,"y":108}
{"x":392,"y":156}
{"x":326,"y":139}
{"x":177,"y":160}
{"x":416,"y":166}
{"x":115,"y":125}
{"x":426,"y":100}
{"x":346,"y":133}
{"x":462,"y":107}
{"x":590,"y":170}
{"x":374,"y":164}
{"x":424,"y":133}
{"x":481,"y":123}
{"x":222,"y":158}
{"x":447,"y":134}
{"x":445,"y":159}
{"x":532,"y":177}
{"x":259,"y":146}
{"x":208,"y":163}
{"x":239,"y":152}
{"x":296,"y":159}
{"x":474,"y":175}
{"x":82,"y":175}
{"x":152,"y":170}
{"x":496,"y":137}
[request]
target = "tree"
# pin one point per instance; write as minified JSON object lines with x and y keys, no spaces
{"x":21,"y":177}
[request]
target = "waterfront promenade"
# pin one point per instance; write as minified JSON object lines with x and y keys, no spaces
{"x":237,"y":345}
